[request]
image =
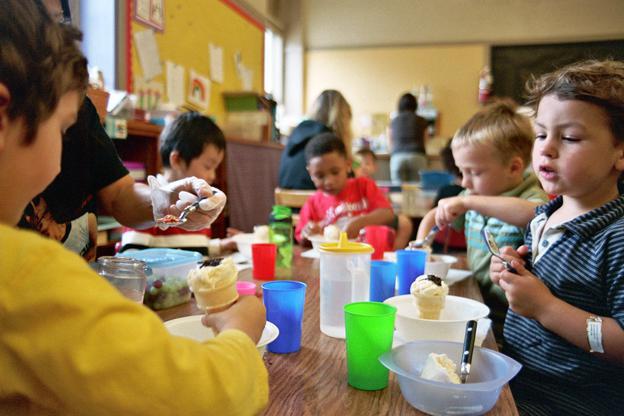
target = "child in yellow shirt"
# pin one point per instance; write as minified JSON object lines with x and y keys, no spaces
{"x":69,"y":342}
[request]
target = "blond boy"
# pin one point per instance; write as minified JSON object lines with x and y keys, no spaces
{"x":492,"y":150}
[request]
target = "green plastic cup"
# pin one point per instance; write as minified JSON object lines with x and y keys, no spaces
{"x":369,"y":330}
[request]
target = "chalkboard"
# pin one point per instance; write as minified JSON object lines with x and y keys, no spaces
{"x":513,"y":65}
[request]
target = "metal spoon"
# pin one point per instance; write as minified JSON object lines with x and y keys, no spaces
{"x":425,"y":242}
{"x":466,"y":358}
{"x":171,"y":220}
{"x":494,"y":250}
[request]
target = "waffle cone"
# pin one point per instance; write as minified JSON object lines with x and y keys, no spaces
{"x":429,"y":307}
{"x":212,"y":300}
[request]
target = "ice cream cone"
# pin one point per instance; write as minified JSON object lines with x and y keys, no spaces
{"x":429,"y":307}
{"x":429,"y":293}
{"x":212,"y":300}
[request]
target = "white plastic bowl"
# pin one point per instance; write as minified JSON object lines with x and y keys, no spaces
{"x":489,"y":372}
{"x":243,"y":242}
{"x":191,"y":327}
{"x":451,"y":325}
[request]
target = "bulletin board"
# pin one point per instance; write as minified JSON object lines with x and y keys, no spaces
{"x":190,"y":28}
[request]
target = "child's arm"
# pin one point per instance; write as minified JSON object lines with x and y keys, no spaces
{"x":529,"y":297}
{"x":514,"y":211}
{"x":426,"y":224}
{"x":376,"y":217}
{"x":306,"y":225}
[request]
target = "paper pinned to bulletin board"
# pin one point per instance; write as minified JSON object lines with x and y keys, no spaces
{"x":191,"y":28}
{"x":150,"y":12}
{"x":199,"y":90}
{"x":148,"y":53}
{"x":216,"y":63}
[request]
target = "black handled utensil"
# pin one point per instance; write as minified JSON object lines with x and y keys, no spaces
{"x":494,"y":250}
{"x":466,"y":358}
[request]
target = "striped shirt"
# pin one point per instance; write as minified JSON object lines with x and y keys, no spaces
{"x":505,"y":235}
{"x":585,"y":268}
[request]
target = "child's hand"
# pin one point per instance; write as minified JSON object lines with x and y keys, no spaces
{"x":311,"y":228}
{"x":247,"y":314}
{"x":232,"y":231}
{"x":353,"y":227}
{"x":227,"y":245}
{"x":509,"y":254}
{"x":449,"y":209}
{"x":527,"y":295}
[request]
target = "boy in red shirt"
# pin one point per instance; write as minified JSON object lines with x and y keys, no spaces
{"x":349,"y":203}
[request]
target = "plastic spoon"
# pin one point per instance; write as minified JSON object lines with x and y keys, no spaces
{"x":494,"y":250}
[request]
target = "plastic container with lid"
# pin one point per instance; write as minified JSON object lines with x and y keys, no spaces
{"x":166,"y":285}
{"x":281,"y":233}
{"x":344,"y":278}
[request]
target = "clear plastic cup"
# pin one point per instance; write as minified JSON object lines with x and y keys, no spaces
{"x":369,"y":331}
{"x":284,"y":301}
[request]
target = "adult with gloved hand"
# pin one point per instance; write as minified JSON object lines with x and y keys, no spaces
{"x":93,"y":179}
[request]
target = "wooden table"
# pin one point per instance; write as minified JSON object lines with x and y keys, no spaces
{"x":313,"y":381}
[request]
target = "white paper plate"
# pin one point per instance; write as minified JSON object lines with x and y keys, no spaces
{"x":457,"y":275}
{"x":191,"y":327}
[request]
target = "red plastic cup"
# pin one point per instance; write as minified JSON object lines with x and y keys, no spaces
{"x":263,"y":260}
{"x":381,"y":237}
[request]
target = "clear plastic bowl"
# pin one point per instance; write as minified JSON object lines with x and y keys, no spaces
{"x":451,"y":325}
{"x":490,"y":371}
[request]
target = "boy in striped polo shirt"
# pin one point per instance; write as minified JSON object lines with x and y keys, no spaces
{"x":492,"y":150}
{"x":566,"y":318}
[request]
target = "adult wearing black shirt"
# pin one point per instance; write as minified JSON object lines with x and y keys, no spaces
{"x":407,"y":136}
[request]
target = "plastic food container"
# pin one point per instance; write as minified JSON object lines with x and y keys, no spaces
{"x":451,"y":325}
{"x":166,"y":285}
{"x":490,"y":371}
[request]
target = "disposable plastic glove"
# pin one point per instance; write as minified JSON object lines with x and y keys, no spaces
{"x":172,"y":198}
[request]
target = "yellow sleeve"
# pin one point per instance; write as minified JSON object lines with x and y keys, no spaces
{"x":72,"y":343}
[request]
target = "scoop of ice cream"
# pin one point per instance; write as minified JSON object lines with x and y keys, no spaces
{"x":213,"y":276}
{"x":429,"y":285}
{"x":331,"y":233}
{"x":261,"y":234}
{"x":439,"y":367}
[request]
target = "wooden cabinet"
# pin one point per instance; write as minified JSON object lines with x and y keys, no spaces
{"x":141,"y":145}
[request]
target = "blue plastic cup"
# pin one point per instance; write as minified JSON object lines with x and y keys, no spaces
{"x":284,"y":300}
{"x":382,"y":280}
{"x":410,"y":265}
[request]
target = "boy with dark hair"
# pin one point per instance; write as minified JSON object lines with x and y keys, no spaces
{"x":70,"y":343}
{"x":190,"y":146}
{"x":349,"y":203}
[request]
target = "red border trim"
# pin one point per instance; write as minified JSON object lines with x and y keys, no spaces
{"x":243,"y":13}
{"x":129,"y":82}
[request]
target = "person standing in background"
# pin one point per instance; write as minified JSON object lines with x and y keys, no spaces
{"x":330,"y":113}
{"x":406,"y":141}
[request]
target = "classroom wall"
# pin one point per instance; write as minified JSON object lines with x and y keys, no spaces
{"x":189,"y":28}
{"x":372,"y":79}
{"x":366,"y":23}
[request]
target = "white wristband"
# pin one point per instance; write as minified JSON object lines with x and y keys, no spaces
{"x":594,"y":334}
{"x":214,"y":247}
